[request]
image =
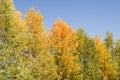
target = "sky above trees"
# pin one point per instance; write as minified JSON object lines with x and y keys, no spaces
{"x":94,"y":16}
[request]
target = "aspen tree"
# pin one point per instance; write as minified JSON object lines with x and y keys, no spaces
{"x":63,"y":47}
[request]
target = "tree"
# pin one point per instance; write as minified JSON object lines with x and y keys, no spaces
{"x":36,"y":30}
{"x":62,"y":46}
{"x":6,"y":12}
{"x":12,"y":35}
{"x":42,"y":61}
{"x":108,"y":41}
{"x":88,"y":57}
{"x":117,"y":56}
{"x":108,"y":69}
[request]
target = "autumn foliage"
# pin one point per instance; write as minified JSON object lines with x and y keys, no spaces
{"x":63,"y":47}
{"x":30,"y":52}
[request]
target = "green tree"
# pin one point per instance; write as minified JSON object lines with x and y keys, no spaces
{"x":88,"y":57}
{"x":109,"y":42}
{"x":117,"y":56}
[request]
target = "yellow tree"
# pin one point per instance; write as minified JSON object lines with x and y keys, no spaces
{"x":42,"y":61}
{"x":107,"y":69}
{"x":34,"y":20}
{"x":19,"y":40}
{"x":12,"y":37}
{"x":63,"y":46}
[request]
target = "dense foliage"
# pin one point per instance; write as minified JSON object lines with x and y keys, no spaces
{"x":29,"y":52}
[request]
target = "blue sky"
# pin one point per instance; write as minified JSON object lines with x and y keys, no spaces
{"x":94,"y":16}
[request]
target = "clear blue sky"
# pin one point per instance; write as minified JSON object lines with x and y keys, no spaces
{"x":94,"y":16}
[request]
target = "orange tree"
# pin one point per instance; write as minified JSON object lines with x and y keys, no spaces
{"x":63,"y":46}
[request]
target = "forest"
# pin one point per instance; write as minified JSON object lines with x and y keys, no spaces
{"x":30,"y":52}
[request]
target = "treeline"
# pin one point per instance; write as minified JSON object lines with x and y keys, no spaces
{"x":28,"y":52}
